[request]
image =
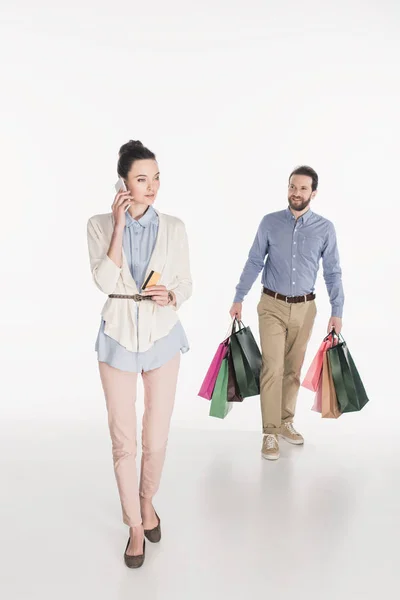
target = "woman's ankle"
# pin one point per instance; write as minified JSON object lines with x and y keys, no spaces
{"x":136,"y":529}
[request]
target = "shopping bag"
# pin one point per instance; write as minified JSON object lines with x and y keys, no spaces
{"x":329,"y":404}
{"x":328,"y":342}
{"x":247,"y":360}
{"x":350,"y":391}
{"x":220,"y":406}
{"x":317,"y":406}
{"x":208,"y":384}
{"x":313,"y":375}
{"x":233,"y":388}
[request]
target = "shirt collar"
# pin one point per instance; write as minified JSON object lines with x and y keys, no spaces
{"x":304,"y":218}
{"x":149,"y":217}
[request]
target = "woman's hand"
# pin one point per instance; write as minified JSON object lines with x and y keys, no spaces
{"x":158,"y":293}
{"x":121,"y":203}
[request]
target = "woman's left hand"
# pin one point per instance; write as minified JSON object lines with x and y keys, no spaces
{"x":158,"y":293}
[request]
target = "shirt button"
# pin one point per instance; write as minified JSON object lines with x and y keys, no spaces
{"x":295,"y":242}
{"x":294,"y":256}
{"x":294,"y":269}
{"x":293,"y":283}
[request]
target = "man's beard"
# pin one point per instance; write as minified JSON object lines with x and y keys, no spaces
{"x":299,"y":207}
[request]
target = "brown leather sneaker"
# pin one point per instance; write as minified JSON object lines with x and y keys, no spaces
{"x":154,"y":535}
{"x":289,"y":434}
{"x":134,"y":562}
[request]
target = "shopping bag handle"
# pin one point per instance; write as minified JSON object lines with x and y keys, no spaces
{"x":334,"y":334}
{"x":232,"y":328}
{"x":236,"y":322}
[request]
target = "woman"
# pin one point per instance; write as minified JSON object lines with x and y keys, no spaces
{"x":140,"y":332}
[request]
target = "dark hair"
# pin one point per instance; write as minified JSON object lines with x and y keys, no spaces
{"x":128,"y":153}
{"x":304,"y":170}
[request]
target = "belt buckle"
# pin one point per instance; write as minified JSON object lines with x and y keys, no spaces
{"x":138,"y":298}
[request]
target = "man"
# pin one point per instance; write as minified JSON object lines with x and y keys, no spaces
{"x":293,"y":240}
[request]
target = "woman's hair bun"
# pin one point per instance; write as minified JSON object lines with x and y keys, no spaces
{"x":128,"y":153}
{"x":129,"y":146}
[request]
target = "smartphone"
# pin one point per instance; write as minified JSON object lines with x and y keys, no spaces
{"x":152,"y":279}
{"x":120,"y":186}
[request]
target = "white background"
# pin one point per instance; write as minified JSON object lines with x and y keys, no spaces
{"x":231,"y":97}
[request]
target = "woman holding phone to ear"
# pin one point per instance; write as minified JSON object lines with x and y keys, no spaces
{"x":140,"y":332}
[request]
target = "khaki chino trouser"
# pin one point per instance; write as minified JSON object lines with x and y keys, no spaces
{"x":285,"y":330}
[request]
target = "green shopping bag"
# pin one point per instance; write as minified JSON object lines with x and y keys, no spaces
{"x":220,"y":406}
{"x":350,"y":391}
{"x":247,"y":360}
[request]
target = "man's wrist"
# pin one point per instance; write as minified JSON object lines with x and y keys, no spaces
{"x":336,"y":311}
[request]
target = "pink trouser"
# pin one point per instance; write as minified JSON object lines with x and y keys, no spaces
{"x":159,"y":397}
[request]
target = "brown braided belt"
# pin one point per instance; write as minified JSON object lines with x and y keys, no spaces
{"x":135,"y":297}
{"x":290,"y":299}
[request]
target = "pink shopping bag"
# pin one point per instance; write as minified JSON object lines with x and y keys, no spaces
{"x":317,"y":406}
{"x":208,"y":385}
{"x":315,"y":371}
{"x":313,"y":376}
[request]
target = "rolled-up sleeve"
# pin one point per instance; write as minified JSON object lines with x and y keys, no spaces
{"x":333,"y":272}
{"x":105,"y":272}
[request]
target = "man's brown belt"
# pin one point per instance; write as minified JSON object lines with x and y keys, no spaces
{"x":290,"y":299}
{"x":135,"y":297}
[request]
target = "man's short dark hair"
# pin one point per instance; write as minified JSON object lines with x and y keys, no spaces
{"x":309,"y":172}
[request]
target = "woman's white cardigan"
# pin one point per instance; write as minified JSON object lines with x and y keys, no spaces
{"x":170,"y":258}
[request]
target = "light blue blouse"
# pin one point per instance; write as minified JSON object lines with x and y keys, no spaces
{"x":138,"y":243}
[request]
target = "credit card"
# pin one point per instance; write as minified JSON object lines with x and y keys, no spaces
{"x":152,"y":279}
